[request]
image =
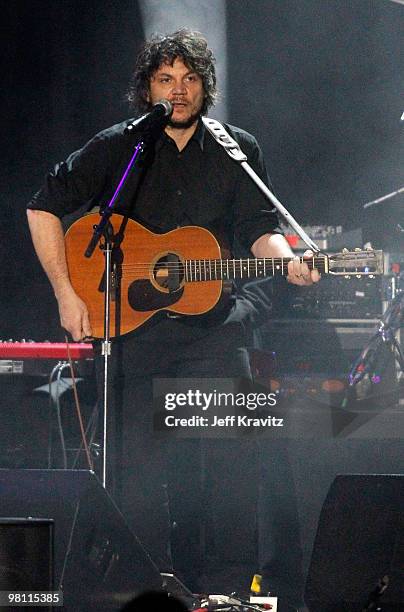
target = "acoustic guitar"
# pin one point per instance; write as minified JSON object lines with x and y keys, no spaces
{"x":182,"y":271}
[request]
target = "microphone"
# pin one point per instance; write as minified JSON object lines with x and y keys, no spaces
{"x":157,"y":117}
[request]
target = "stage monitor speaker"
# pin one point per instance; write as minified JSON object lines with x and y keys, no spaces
{"x":99,"y":564}
{"x":359,"y":542}
{"x":26,"y":557}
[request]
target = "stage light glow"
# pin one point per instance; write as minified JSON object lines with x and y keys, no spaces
{"x":206,"y":16}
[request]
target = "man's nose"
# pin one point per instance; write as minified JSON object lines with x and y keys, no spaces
{"x":179,"y":88}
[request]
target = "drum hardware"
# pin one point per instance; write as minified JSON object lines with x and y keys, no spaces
{"x":385,"y":337}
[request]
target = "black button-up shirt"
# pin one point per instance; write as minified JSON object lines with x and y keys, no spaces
{"x":201,"y":185}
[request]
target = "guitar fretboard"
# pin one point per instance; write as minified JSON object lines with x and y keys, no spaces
{"x":229,"y":269}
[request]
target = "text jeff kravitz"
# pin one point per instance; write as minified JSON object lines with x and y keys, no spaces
{"x":227,"y":421}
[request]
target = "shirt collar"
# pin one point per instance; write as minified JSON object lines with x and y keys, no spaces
{"x":198,"y":136}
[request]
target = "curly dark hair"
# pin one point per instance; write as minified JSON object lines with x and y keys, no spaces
{"x":191,"y":47}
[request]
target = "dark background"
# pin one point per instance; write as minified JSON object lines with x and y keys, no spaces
{"x":318,"y":82}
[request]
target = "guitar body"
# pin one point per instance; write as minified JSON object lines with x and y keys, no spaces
{"x":148,"y":273}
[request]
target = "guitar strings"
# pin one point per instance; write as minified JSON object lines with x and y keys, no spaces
{"x":223,"y":263}
{"x":201,"y":270}
{"x":235,"y":266}
{"x":197,"y":267}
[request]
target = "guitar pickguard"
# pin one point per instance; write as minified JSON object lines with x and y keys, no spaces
{"x":144,"y":297}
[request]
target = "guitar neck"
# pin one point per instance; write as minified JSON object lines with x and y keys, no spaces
{"x":229,"y":269}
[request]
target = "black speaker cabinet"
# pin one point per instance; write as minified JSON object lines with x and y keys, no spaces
{"x":98,"y":563}
{"x":359,"y":541}
{"x":26,"y":557}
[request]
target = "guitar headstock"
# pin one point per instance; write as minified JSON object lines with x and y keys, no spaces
{"x":358,"y":263}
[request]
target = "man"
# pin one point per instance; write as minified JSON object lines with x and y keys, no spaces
{"x":188,"y":179}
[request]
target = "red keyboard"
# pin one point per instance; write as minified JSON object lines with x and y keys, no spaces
{"x":45,"y":350}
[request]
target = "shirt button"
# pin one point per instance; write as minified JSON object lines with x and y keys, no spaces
{"x":179,"y":156}
{"x":179,"y":192}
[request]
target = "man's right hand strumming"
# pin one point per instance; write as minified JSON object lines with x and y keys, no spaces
{"x":74,"y":316}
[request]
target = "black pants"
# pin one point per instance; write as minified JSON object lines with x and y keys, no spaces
{"x":160,"y":483}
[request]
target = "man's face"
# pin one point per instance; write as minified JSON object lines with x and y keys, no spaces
{"x":180,"y":86}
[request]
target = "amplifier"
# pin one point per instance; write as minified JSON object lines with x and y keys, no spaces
{"x":331,"y":298}
{"x":308,"y":346}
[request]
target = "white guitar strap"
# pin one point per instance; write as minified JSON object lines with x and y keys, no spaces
{"x":232,"y":148}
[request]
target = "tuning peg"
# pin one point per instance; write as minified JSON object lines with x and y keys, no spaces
{"x":345,"y":250}
{"x":357,"y":249}
{"x":347,"y":276}
{"x":358,"y":275}
{"x":371,"y":276}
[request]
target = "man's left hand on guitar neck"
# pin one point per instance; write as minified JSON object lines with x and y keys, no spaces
{"x":299,"y":273}
{"x":276,"y":245}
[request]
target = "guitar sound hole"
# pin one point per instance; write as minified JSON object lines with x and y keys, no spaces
{"x":168,"y":272}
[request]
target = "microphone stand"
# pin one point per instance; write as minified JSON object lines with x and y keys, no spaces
{"x":383,"y":198}
{"x":149,"y":126}
{"x":105,"y":230}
